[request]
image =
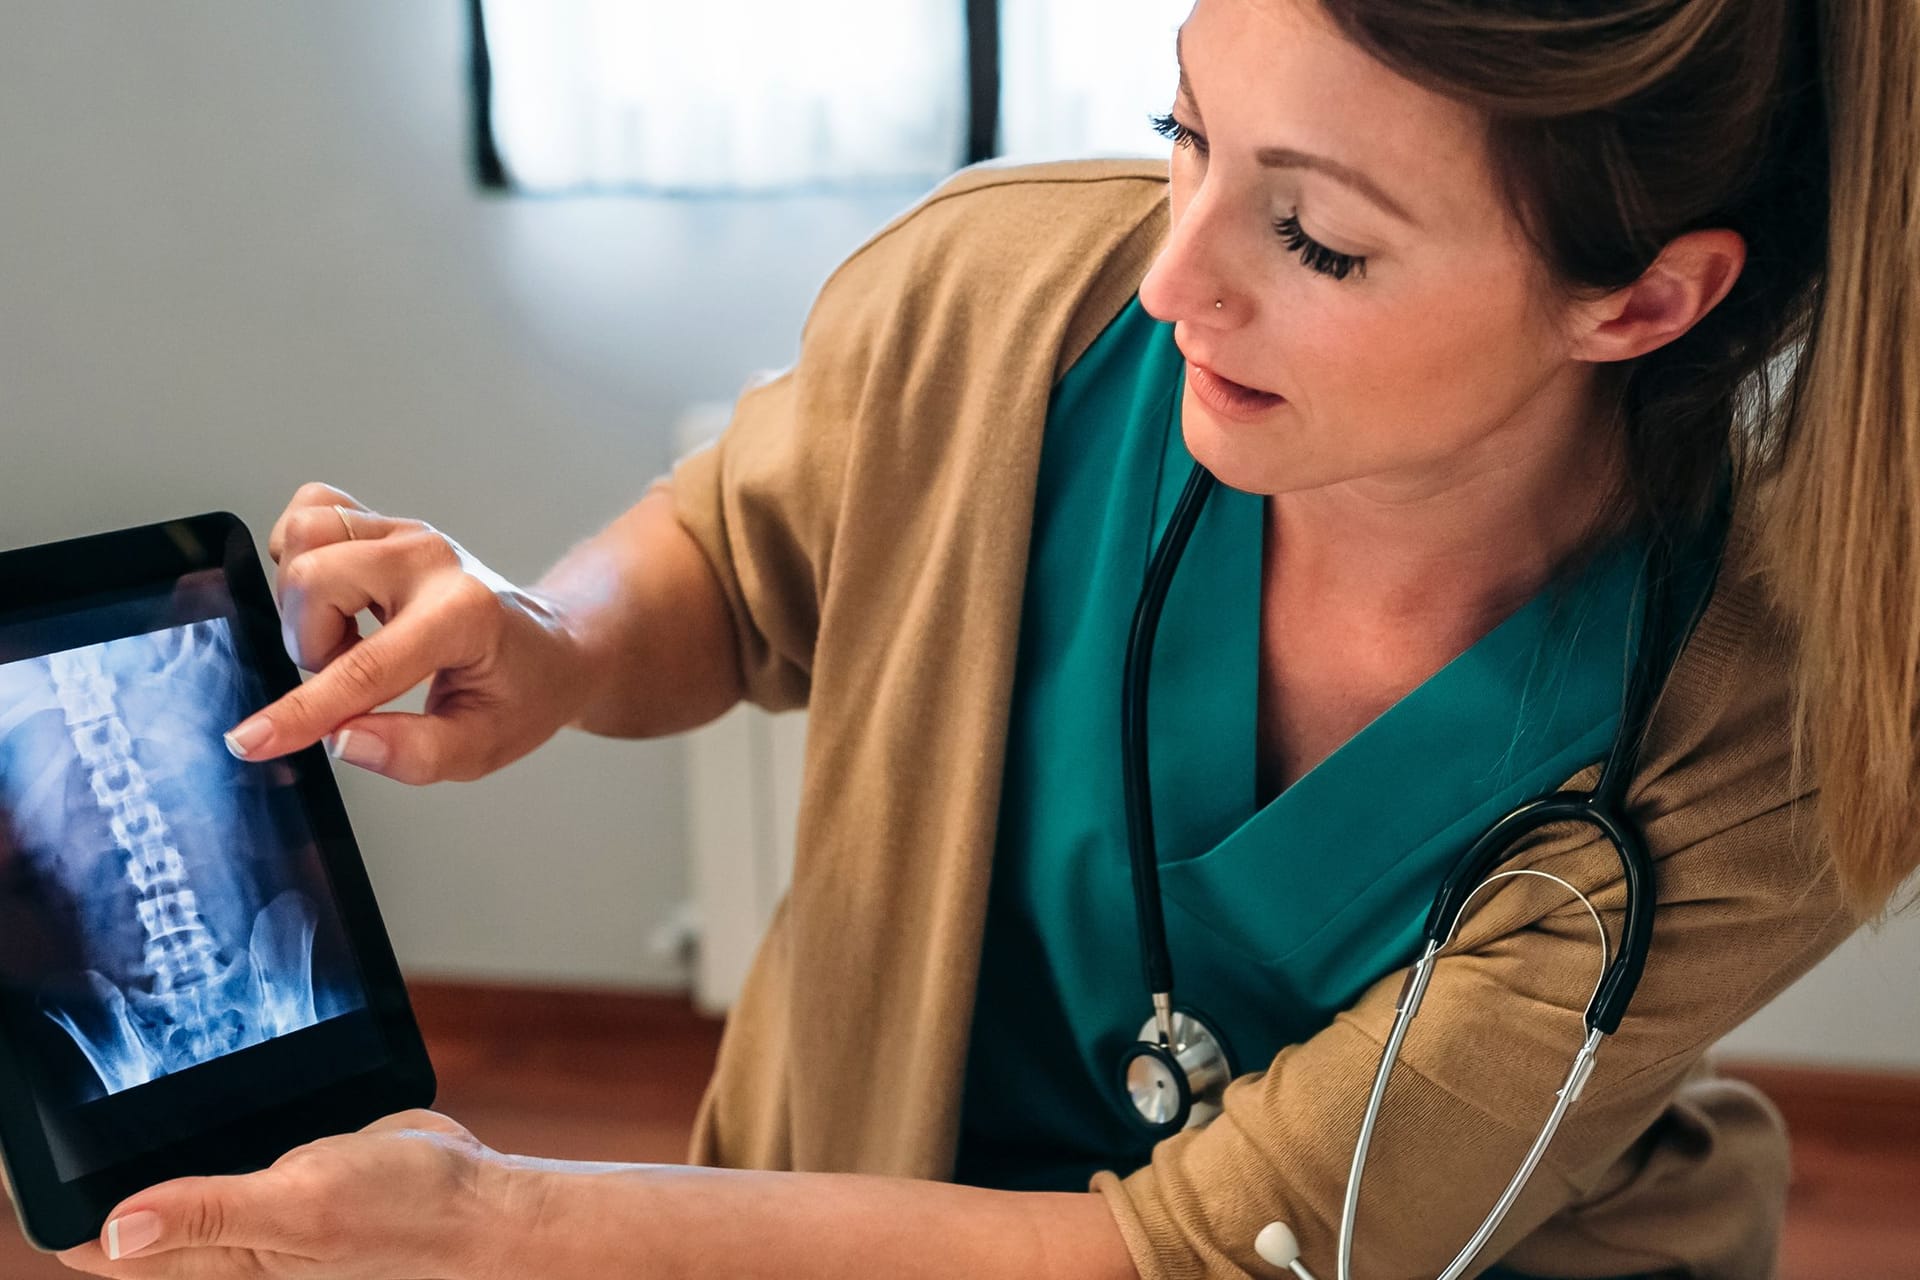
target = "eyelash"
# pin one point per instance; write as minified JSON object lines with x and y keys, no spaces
{"x":1315,"y":255}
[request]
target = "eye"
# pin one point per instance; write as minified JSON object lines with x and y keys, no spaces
{"x":1316,"y":255}
{"x":1176,"y":133}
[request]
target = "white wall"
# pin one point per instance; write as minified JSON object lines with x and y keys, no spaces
{"x":239,"y":249}
{"x":1856,"y":1009}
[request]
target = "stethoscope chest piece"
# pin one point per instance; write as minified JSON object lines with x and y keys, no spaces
{"x":1177,"y":1086}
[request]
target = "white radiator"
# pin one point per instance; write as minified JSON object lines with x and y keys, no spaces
{"x":743,"y":792}
{"x":743,"y":796}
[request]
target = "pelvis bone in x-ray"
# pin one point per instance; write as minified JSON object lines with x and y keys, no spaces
{"x":114,"y":777}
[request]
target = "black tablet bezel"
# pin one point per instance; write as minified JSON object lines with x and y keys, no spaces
{"x":60,"y":1215}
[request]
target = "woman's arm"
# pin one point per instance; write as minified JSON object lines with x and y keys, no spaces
{"x":1742,"y":913}
{"x":567,"y":1221}
{"x":652,"y":626}
{"x":416,"y":1194}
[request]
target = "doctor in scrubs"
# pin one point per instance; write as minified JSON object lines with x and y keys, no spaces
{"x":1454,"y":301}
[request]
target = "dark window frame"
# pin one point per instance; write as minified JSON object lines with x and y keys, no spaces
{"x":488,"y":170}
{"x":983,"y":79}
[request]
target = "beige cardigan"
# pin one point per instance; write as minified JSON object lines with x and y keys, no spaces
{"x":867,"y":513}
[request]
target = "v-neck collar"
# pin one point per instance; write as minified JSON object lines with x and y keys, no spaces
{"x":1468,"y":742}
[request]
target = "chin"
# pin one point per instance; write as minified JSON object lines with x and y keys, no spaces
{"x":1240,"y":456}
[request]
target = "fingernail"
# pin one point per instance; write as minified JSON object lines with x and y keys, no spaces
{"x":248,"y":735}
{"x":129,"y":1235}
{"x":357,"y":746}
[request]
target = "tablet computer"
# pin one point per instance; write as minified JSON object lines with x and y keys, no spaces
{"x":194,"y":976}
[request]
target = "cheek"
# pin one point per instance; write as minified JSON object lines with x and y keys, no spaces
{"x":1414,"y":379}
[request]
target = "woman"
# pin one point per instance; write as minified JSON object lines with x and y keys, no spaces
{"x":1505,"y":298}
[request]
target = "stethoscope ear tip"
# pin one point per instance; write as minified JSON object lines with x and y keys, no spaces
{"x":1277,"y":1245}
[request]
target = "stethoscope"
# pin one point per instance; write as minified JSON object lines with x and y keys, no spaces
{"x":1177,"y":1073}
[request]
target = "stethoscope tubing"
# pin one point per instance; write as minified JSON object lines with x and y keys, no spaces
{"x":1155,"y":957}
{"x":1603,"y":808}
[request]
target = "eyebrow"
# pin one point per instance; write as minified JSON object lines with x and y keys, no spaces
{"x":1289,"y":158}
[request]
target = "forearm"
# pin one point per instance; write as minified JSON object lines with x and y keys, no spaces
{"x":656,"y":644}
{"x":563,"y":1221}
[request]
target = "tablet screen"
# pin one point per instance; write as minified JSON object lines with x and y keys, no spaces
{"x":170,"y":949}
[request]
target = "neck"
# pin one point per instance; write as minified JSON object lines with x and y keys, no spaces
{"x":1449,"y":553}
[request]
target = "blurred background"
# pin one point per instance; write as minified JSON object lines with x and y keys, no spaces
{"x":495,"y":265}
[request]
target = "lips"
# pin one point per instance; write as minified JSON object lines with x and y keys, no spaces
{"x":1228,"y":401}
{"x":1247,"y":387}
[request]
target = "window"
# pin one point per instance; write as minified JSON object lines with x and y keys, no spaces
{"x":729,"y":96}
{"x":763,"y":96}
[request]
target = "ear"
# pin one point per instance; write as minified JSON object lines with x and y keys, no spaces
{"x":1689,"y":278}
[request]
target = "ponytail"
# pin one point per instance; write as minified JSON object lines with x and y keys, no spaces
{"x":1843,"y":476}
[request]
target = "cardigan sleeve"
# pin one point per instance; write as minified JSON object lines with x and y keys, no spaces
{"x":905,"y":350}
{"x":763,"y":500}
{"x":1497,"y":1031}
{"x":766,"y":499}
{"x":759,"y":500}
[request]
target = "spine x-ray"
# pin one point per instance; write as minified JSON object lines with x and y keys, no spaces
{"x":166,"y":922}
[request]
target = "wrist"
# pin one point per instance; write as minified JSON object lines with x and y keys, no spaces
{"x":557,"y":1219}
{"x":509,"y":1201}
{"x":579,"y":657}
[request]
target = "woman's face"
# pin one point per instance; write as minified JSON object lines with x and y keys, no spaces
{"x":1436,"y":360}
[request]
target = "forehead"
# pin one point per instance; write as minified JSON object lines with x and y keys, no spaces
{"x":1276,"y":73}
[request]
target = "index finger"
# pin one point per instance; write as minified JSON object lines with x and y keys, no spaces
{"x":372,"y":673}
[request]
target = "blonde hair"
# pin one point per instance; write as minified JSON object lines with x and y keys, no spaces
{"x":1843,"y":532}
{"x":1614,"y":128}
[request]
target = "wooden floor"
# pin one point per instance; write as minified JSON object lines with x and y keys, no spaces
{"x":583,"y":1076}
{"x":1853,"y":1212}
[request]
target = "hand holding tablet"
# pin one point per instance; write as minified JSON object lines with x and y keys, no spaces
{"x":194,"y":976}
{"x":413,"y":1194}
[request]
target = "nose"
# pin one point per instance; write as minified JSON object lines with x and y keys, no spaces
{"x":1194,"y":270}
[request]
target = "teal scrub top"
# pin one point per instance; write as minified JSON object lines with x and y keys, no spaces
{"x":1278,"y":916}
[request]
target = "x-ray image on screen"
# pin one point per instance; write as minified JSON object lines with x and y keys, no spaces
{"x":163,"y":894}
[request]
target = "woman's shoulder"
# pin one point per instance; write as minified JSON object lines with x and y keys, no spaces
{"x":1116,"y":180}
{"x":1728,"y":797}
{"x":1025,"y":210}
{"x":1020,"y":248}
{"x":1728,"y":695}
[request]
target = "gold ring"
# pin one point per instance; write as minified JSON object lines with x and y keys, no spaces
{"x":344,"y":522}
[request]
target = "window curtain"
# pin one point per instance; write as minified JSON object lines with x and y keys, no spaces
{"x":1080,"y":77}
{"x":725,"y":96}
